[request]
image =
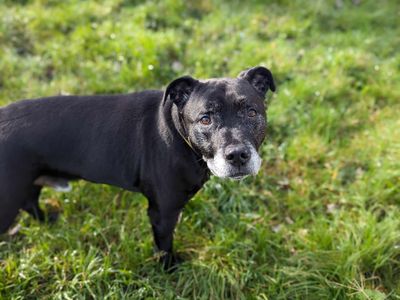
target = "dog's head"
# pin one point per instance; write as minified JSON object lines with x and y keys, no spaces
{"x":224,"y":119}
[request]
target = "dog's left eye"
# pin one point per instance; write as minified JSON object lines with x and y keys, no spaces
{"x":252,"y":112}
{"x":205,"y":120}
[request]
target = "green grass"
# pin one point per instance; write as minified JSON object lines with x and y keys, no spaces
{"x":322,"y":218}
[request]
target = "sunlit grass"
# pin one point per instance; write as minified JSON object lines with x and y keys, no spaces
{"x":322,"y":218}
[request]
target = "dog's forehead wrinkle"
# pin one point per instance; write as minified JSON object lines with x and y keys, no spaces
{"x":223,"y":80}
{"x":217,"y":93}
{"x":223,"y":86}
{"x":238,"y":92}
{"x":208,"y":99}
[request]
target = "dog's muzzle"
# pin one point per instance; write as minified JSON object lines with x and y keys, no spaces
{"x":235,"y":161}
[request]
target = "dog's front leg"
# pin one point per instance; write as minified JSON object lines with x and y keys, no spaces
{"x":163,"y":222}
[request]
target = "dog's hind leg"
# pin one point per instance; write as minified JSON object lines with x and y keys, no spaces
{"x":8,"y":207}
{"x":32,"y":204}
{"x":15,"y":196}
{"x":10,"y":201}
{"x":7,"y":215}
{"x":17,"y":190}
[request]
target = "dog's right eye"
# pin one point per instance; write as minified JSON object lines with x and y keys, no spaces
{"x":205,"y":120}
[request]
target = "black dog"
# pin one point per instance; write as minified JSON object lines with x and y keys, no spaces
{"x":161,"y":144}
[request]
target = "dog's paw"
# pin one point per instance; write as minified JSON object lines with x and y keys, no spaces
{"x":52,"y":217}
{"x":170,"y":261}
{"x":53,"y":209}
{"x":13,"y":231}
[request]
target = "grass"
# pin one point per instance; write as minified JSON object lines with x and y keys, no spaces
{"x":322,"y":218}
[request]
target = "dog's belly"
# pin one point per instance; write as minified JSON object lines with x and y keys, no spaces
{"x":61,"y":184}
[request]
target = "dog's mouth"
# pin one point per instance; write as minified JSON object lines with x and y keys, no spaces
{"x":233,"y":175}
{"x":238,"y":176}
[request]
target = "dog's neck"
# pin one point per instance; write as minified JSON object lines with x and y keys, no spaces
{"x":179,"y":122}
{"x":175,"y":132}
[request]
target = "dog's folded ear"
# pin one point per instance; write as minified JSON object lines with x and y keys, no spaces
{"x":179,"y":90}
{"x":260,"y":78}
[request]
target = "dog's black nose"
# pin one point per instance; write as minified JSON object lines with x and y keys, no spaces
{"x":237,"y":155}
